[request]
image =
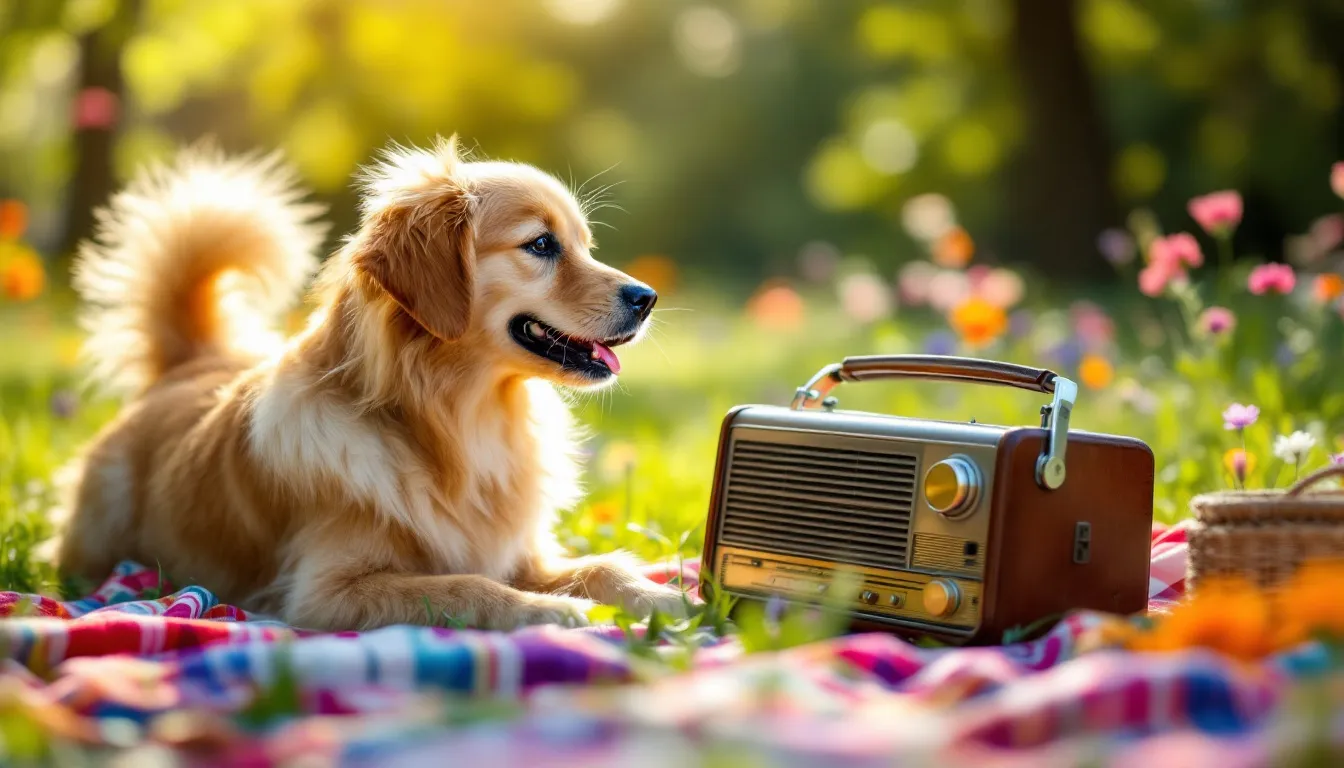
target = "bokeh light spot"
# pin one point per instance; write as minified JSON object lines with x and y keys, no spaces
{"x":708,"y":41}
{"x":603,"y":138}
{"x":971,"y":149}
{"x":323,"y":144}
{"x":81,"y":16}
{"x":890,"y":32}
{"x":1140,"y":171}
{"x":928,"y":217}
{"x":582,"y":12}
{"x":53,"y":59}
{"x":153,"y":73}
{"x":1222,"y":142}
{"x":839,"y":179}
{"x":1119,"y":30}
{"x":889,"y":147}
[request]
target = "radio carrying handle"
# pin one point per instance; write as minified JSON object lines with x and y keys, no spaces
{"x":1050,"y":471}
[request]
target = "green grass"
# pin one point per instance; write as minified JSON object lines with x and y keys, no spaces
{"x":654,"y":434}
{"x":654,"y":437}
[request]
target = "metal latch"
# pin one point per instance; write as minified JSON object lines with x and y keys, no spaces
{"x":1082,"y":543}
{"x":1050,"y":471}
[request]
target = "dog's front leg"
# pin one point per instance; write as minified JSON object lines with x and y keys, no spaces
{"x":334,"y":600}
{"x":612,"y":579}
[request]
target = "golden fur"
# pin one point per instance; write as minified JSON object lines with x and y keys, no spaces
{"x":401,"y":451}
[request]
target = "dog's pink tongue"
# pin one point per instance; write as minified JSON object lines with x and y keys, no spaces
{"x":605,"y":354}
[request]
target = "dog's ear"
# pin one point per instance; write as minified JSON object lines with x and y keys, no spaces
{"x":422,"y":254}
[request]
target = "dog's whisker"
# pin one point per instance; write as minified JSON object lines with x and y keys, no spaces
{"x":658,"y":346}
{"x":594,"y":177}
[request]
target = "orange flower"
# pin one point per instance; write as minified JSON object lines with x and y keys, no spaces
{"x":21,"y":275}
{"x":603,"y":512}
{"x":13,"y":219}
{"x":1096,"y":371}
{"x":954,"y":249}
{"x":1230,"y":616}
{"x":1327,"y":288}
{"x":1309,"y":603}
{"x":657,"y":272}
{"x":978,"y":322}
{"x":776,"y":307}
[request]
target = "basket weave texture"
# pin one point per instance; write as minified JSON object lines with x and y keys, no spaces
{"x":1265,"y":536}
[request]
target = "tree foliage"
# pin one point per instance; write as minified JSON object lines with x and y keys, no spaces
{"x":739,"y":130}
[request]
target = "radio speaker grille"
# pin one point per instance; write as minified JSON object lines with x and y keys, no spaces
{"x":849,"y":506}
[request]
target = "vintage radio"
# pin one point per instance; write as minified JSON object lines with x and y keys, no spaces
{"x":958,"y":531}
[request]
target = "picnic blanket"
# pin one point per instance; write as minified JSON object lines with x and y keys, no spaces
{"x":182,"y":676}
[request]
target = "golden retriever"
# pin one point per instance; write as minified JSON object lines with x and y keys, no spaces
{"x":401,"y":458}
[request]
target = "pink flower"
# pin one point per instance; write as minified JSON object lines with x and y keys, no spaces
{"x":947,"y":289}
{"x":1327,"y":232}
{"x":915,"y":282}
{"x":1180,"y":250}
{"x":1153,"y":279}
{"x":96,"y":109}
{"x":1218,"y":213}
{"x":1337,"y":178}
{"x":1215,"y":321}
{"x":864,"y":297}
{"x":1094,"y":327}
{"x":1271,"y":278}
{"x":1001,"y":287}
{"x":975,"y":276}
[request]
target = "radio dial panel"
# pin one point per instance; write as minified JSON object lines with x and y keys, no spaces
{"x":941,"y":597}
{"x":952,"y":487}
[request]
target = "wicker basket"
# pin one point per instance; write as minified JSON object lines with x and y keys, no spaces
{"x":1265,"y":536}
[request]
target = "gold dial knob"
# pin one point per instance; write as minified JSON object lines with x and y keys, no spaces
{"x":942,"y":597}
{"x":952,"y":486}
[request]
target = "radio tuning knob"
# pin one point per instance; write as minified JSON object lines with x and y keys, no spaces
{"x":952,"y":486}
{"x":942,"y":597}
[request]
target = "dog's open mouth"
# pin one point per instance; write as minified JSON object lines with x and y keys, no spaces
{"x":590,"y":357}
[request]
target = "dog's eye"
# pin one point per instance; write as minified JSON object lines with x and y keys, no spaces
{"x":545,"y":246}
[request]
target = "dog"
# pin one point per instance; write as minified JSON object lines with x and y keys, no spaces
{"x":404,"y":455}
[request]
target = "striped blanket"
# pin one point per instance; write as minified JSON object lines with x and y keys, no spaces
{"x":182,"y":676}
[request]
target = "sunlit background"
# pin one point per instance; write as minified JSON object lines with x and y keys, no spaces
{"x":800,"y":179}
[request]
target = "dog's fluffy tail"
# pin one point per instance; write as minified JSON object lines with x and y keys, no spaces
{"x":195,"y":258}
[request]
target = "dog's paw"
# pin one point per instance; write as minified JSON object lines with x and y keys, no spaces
{"x":649,"y":597}
{"x":551,"y":609}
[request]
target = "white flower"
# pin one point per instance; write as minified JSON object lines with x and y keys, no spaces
{"x":1293,"y":448}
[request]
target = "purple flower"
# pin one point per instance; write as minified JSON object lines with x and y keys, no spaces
{"x":1284,"y":356}
{"x":1117,"y":246}
{"x":63,"y":403}
{"x":1238,"y":416}
{"x":1337,"y":458}
{"x":1068,"y":354}
{"x":940,"y":343}
{"x":1020,"y":323}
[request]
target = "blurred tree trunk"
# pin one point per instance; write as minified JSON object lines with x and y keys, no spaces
{"x":1062,"y":197}
{"x":92,"y":179}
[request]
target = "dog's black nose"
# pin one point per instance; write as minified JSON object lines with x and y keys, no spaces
{"x":641,"y":299}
